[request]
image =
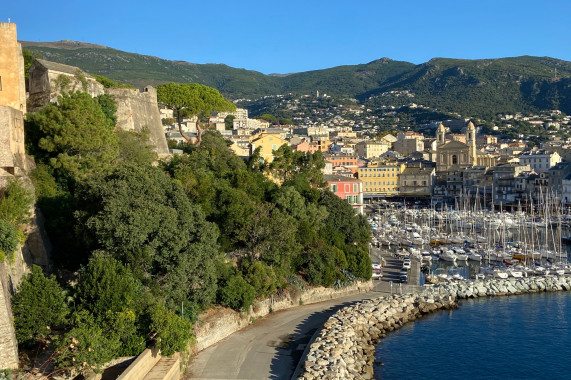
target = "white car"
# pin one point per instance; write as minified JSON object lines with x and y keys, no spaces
{"x":377,"y":274}
{"x":406,"y":265}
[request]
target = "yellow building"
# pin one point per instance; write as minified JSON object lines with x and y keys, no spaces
{"x":381,"y":177}
{"x":269,"y":142}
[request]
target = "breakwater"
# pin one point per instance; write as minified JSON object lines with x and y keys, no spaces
{"x":345,"y":347}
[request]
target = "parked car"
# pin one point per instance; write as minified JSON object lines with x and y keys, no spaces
{"x":377,"y":274}
{"x":406,"y":264}
{"x":403,"y":277}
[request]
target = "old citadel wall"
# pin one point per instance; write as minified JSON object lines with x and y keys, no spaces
{"x":136,"y":109}
{"x":12,"y":163}
{"x":47,"y":80}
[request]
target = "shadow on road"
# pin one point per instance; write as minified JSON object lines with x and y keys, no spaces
{"x":289,"y":353}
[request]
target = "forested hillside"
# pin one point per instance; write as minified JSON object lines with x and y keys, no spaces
{"x":470,"y":87}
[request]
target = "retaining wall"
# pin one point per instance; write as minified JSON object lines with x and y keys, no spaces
{"x":219,"y":323}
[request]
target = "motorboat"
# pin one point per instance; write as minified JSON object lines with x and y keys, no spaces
{"x":448,"y":255}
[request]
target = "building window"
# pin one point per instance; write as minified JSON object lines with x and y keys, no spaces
{"x":454,"y":159}
{"x":333,"y":188}
{"x":0,"y":83}
{"x":355,"y":187}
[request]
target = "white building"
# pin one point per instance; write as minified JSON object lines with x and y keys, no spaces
{"x":370,"y":149}
{"x":540,"y":160}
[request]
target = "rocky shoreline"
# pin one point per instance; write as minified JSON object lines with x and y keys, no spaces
{"x":346,"y":345}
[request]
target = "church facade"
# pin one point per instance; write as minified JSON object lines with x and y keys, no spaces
{"x":456,"y":154}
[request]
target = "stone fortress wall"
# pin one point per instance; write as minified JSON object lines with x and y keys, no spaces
{"x":136,"y":109}
{"x":12,"y":80}
{"x":48,"y":80}
{"x":12,"y":161}
{"x":12,"y":152}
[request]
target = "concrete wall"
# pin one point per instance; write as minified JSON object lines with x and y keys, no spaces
{"x":139,"y":109}
{"x":142,"y":365}
{"x":217,"y":325}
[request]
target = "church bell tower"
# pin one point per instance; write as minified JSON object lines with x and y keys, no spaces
{"x":471,"y":142}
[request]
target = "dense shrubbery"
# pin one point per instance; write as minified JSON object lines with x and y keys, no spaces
{"x":237,"y":293}
{"x":38,"y":307}
{"x":152,"y":245}
{"x":15,"y":204}
{"x":8,"y":239}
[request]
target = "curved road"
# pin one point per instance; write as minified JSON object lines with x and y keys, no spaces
{"x":271,"y":347}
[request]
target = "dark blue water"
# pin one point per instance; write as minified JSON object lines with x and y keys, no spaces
{"x":518,"y":337}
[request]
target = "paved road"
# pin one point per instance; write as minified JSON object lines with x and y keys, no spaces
{"x":271,"y":347}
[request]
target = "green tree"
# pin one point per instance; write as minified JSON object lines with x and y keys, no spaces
{"x":261,"y":276}
{"x":110,"y":83}
{"x":134,"y":147}
{"x":172,"y":333}
{"x":9,"y":240}
{"x":168,"y":121}
{"x":269,"y":235}
{"x":192,"y":99}
{"x":15,"y":202}
{"x":237,"y":293}
{"x":87,"y":345}
{"x":288,"y":163}
{"x":29,"y":58}
{"x":229,"y":122}
{"x":75,"y":136}
{"x":144,"y":219}
{"x":109,"y":108}
{"x":106,"y":285}
{"x":38,"y":307}
{"x":269,"y":118}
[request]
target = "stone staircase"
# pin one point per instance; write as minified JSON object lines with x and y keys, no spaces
{"x":150,"y":365}
{"x":165,"y":369}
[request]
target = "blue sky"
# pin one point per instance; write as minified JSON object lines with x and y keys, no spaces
{"x":294,"y":36}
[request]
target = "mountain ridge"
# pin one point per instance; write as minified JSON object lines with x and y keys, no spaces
{"x":472,"y":87}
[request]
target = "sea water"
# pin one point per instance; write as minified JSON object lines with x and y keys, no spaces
{"x":517,"y":337}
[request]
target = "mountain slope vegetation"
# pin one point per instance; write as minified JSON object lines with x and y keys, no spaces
{"x":471,"y":87}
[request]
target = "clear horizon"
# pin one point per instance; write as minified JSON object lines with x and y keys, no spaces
{"x":303,"y":36}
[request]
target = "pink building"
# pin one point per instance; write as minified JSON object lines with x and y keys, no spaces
{"x":348,"y":188}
